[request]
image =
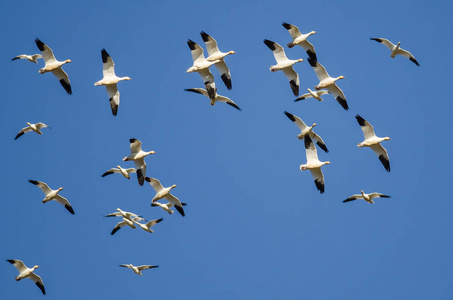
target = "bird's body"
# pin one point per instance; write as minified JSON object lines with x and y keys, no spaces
{"x":32,"y":58}
{"x":313,"y":164}
{"x":53,"y":195}
{"x":54,"y":66}
{"x":110,"y":80}
{"x":164,"y":193}
{"x":216,"y":55}
{"x":306,"y":130}
{"x":120,"y":170}
{"x":137,"y":269}
{"x":284,"y":64}
{"x":372,"y":141}
{"x":300,"y":39}
{"x":217,"y":98}
{"x":327,"y":82}
{"x":138,"y":156}
{"x":396,"y":50}
{"x":25,"y":272}
{"x":367,"y":197}
{"x":31,"y":127}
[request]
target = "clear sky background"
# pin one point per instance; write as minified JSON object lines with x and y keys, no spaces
{"x":255,"y":225}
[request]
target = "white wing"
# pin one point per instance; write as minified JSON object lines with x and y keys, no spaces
{"x":318,"y":178}
{"x":368,"y":131}
{"x":155,"y":183}
{"x":64,"y":79}
{"x":320,"y":71}
{"x":38,"y":281}
{"x":293,"y":78}
{"x":384,"y":42}
{"x":135,"y":146}
{"x":296,"y":120}
{"x":42,"y":185}
{"x":20,"y":266}
{"x":47,"y":53}
{"x":338,"y":95}
{"x":197,"y":52}
{"x":279,"y":52}
{"x":310,"y":150}
{"x":224,"y":73}
{"x":64,"y":202}
{"x":382,"y":155}
{"x":114,"y":97}
{"x":108,"y":66}
{"x":141,"y":170}
{"x":318,"y":140}
{"x":293,"y":30}
{"x":211,"y":43}
{"x":22,"y":131}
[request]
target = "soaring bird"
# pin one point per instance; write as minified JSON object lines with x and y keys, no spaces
{"x":374,"y":142}
{"x":147,"y":226}
{"x":120,"y":170}
{"x":138,"y":269}
{"x":313,"y":94}
{"x":396,"y":50}
{"x":53,"y":195}
{"x":300,"y":39}
{"x":217,"y":98}
{"x":214,"y":55}
{"x":313,"y":164}
{"x":110,"y":80}
{"x":25,"y":272}
{"x":33,"y":58}
{"x":327,"y":82}
{"x":54,"y":66}
{"x":138,"y":156}
{"x":162,"y":192}
{"x":31,"y":127}
{"x":284,"y":64}
{"x":201,"y":66}
{"x":306,"y":130}
{"x":367,"y":197}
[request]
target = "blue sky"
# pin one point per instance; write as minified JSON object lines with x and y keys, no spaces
{"x":255,"y":225}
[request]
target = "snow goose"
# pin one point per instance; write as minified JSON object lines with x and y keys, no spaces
{"x":25,"y":272}
{"x":216,"y":98}
{"x":304,"y":130}
{"x":52,"y":195}
{"x":138,"y":269}
{"x":166,"y":206}
{"x":54,"y":66}
{"x":147,"y":226}
{"x":31,"y":127}
{"x":121,"y":224}
{"x":396,"y":50}
{"x":313,"y":94}
{"x":215,"y":54}
{"x":119,"y":169}
{"x":300,"y":39}
{"x":327,"y":82}
{"x":138,"y":156}
{"x":284,"y":64}
{"x":162,"y":192}
{"x":372,"y":141}
{"x":313,"y":164}
{"x":33,"y":58}
{"x":110,"y":80}
{"x":367,"y":197}
{"x":126,"y":215}
{"x":201,"y":65}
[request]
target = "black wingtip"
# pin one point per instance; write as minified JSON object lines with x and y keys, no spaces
{"x":360,"y":120}
{"x":234,"y":105}
{"x":290,"y":116}
{"x":270,"y":44}
{"x":183,"y":204}
{"x":319,"y":186}
{"x":286,"y":25}
{"x":191,"y":44}
{"x":107,"y":173}
{"x":384,"y":196}
{"x":312,"y":55}
{"x":300,"y":98}
{"x":12,"y":261}
{"x":307,"y":141}
{"x":66,"y":86}
{"x":193,"y":91}
{"x":294,"y":87}
{"x":180,"y":210}
{"x":105,"y":55}
{"x":227,"y":81}
{"x":159,"y":220}
{"x":41,"y":287}
{"x":376,"y":39}
{"x":33,"y":181}
{"x":342,"y":102}
{"x":148,"y":179}
{"x":113,"y":106}
{"x":414,"y":61}
{"x":322,"y":146}
{"x":39,"y":44}
{"x":312,"y":62}
{"x":385,"y":162}
{"x":115,"y":230}
{"x":132,"y":140}
{"x":69,"y":208}
{"x":19,"y":135}
{"x":15,"y":58}
{"x":204,"y":36}
{"x":140,"y":177}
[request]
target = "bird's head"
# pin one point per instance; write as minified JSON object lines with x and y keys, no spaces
{"x":60,"y":189}
{"x":231,"y":52}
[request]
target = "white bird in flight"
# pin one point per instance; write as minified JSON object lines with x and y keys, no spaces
{"x":25,"y":272}
{"x":367,"y":197}
{"x":396,"y":50}
{"x":33,"y":58}
{"x":138,"y":156}
{"x":301,"y":40}
{"x":313,"y":164}
{"x":52,"y":195}
{"x":164,"y":193}
{"x":138,"y":269}
{"x":31,"y":127}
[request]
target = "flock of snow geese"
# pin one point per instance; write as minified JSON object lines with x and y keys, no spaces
{"x":201,"y":65}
